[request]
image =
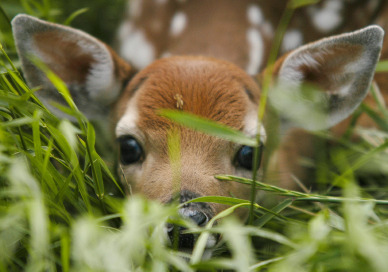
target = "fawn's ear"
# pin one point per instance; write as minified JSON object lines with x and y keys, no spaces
{"x":93,"y":73}
{"x":340,"y":67}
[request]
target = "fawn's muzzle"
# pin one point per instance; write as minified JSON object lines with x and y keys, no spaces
{"x":199,"y":213}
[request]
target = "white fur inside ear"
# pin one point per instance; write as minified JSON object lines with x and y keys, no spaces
{"x":290,"y":73}
{"x":101,"y":83}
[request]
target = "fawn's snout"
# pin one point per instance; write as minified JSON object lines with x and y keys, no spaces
{"x":199,"y":214}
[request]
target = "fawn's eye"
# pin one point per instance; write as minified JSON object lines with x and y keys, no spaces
{"x":244,"y":157}
{"x":130,"y":150}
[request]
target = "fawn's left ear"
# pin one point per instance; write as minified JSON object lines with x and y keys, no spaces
{"x":91,"y":70}
{"x":341,"y":66}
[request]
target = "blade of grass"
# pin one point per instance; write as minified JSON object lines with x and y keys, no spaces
{"x":268,"y":73}
{"x":229,"y":201}
{"x":207,"y":126}
{"x":275,"y":210}
{"x":65,"y":252}
{"x":74,"y":15}
{"x":200,"y":245}
{"x":298,"y":196}
{"x":382,"y":66}
{"x":96,"y":170}
{"x":381,"y":122}
{"x":36,"y":135}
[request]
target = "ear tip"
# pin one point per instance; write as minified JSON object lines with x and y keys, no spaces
{"x":374,"y":33}
{"x":22,"y":19}
{"x":26,"y":23}
{"x":377,"y":30}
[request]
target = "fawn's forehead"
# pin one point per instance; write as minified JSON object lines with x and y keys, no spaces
{"x":207,"y":87}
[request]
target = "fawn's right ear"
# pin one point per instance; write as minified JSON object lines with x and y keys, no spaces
{"x":322,"y":83}
{"x":91,"y":70}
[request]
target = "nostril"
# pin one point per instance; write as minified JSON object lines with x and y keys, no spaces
{"x":177,"y":234}
{"x":169,"y":228}
{"x":199,"y":218}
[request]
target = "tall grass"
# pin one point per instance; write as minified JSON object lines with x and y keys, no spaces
{"x":62,"y":209}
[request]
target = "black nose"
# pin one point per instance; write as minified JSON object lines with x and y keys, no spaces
{"x":186,"y":240}
{"x":199,"y":218}
{"x":198,"y":213}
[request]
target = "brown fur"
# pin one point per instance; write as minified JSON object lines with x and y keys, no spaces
{"x":123,"y":70}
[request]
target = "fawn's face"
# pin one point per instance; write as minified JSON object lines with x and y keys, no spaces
{"x":203,"y":86}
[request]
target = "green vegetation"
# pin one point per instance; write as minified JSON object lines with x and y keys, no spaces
{"x":62,"y":208}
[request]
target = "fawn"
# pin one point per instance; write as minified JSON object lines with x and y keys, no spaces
{"x":200,"y":57}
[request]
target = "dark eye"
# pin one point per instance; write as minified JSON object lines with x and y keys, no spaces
{"x":130,"y":150}
{"x":244,"y":157}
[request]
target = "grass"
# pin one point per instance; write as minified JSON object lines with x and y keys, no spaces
{"x":62,"y":209}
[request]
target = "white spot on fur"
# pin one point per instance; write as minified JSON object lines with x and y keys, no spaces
{"x":256,"y":47}
{"x":134,"y":8}
{"x":291,"y":40}
{"x":136,"y":49}
{"x":124,"y":31}
{"x":328,"y":17}
{"x":255,"y":16}
{"x":127,"y":123}
{"x":178,"y":23}
{"x":166,"y":55}
{"x":251,"y":123}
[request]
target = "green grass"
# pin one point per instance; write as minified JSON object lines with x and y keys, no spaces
{"x":62,"y":209}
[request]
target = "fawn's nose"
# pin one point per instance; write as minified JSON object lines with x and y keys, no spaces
{"x":199,"y":218}
{"x":198,"y":213}
{"x":186,"y":240}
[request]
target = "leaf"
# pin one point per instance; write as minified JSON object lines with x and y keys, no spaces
{"x":220,"y":200}
{"x":381,"y":122}
{"x":294,"y":4}
{"x":208,"y":126}
{"x":96,"y":169}
{"x":200,"y":245}
{"x":277,"y":209}
{"x":382,"y":66}
{"x":74,"y":15}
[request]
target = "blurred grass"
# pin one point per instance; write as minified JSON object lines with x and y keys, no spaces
{"x":56,"y":213}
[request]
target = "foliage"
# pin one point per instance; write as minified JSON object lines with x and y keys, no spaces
{"x":62,"y":209}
